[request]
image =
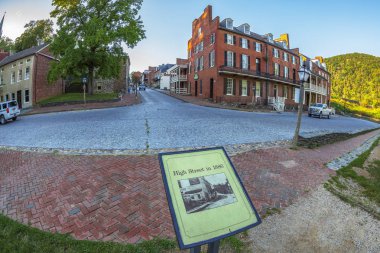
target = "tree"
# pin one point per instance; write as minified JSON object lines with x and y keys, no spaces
{"x":6,"y":43}
{"x":90,"y":36}
{"x":36,"y":32}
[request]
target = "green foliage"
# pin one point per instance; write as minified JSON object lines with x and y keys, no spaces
{"x":90,"y":36}
{"x":40,"y":31}
{"x":7,"y":44}
{"x":348,"y":107}
{"x":15,"y":237}
{"x":356,"y":77}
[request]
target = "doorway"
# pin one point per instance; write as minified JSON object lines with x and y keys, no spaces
{"x":19,"y":100}
{"x":196,"y":88}
{"x":211,"y":88}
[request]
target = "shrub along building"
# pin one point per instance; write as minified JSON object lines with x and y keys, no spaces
{"x":23,"y":77}
{"x":235,"y":65}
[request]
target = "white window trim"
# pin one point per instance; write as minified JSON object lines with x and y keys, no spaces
{"x":232,"y":86}
{"x":258,"y":89}
{"x":246,"y":61}
{"x":25,"y":97}
{"x":244,"y":43}
{"x":246,"y":88}
{"x":230,"y":39}
{"x":230,"y":53}
{"x":212,"y":59}
{"x":258,"y":46}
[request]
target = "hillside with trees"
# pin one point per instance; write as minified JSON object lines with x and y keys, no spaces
{"x":356,"y":83}
{"x":356,"y":77}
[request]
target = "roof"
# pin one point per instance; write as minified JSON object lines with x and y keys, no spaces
{"x":257,"y":37}
{"x":22,"y":54}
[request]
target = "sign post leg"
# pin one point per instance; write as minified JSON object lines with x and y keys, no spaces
{"x":213,"y":247}
{"x":196,"y":249}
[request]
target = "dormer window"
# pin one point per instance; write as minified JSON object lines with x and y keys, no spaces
{"x":229,"y":24}
{"x":247,"y":29}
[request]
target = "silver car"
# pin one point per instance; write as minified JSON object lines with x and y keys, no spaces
{"x":8,"y":111}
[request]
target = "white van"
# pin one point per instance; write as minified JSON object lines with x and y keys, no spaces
{"x":8,"y":110}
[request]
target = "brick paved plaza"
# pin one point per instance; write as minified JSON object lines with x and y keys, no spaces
{"x":122,"y":198}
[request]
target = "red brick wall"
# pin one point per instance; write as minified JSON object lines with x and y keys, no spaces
{"x":41,"y":88}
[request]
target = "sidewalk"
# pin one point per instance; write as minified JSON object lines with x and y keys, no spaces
{"x":122,"y":198}
{"x":126,"y":100}
{"x":207,"y":103}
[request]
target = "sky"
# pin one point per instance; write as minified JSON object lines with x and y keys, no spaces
{"x":319,"y":28}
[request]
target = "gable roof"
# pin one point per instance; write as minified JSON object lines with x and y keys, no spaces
{"x":22,"y":54}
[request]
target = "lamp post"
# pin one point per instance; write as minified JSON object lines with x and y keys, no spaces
{"x":84,"y":80}
{"x":304,"y":75}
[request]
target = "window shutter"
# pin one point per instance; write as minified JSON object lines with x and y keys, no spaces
{"x":241,"y":42}
{"x":248,"y":44}
{"x":233,"y":87}
{"x":234,"y":40}
{"x":225,"y":86}
{"x":240,"y":87}
{"x":235,"y":60}
{"x":249,"y":62}
{"x":279,"y":70}
{"x":254,"y":45}
{"x":241,"y":61}
{"x":261,"y":90}
{"x":274,"y":68}
{"x":225,"y":38}
{"x":225,"y":58}
{"x":248,"y":88}
{"x":273,"y":51}
{"x":209,"y":60}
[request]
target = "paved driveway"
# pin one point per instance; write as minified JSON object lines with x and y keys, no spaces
{"x":163,"y":122}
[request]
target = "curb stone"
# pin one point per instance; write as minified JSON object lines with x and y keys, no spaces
{"x":347,"y":158}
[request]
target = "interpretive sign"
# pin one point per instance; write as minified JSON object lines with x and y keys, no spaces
{"x":206,"y":198}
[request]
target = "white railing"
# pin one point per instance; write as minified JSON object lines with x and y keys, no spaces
{"x":176,"y":78}
{"x":315,"y":88}
{"x":277,"y":103}
{"x":182,"y":91}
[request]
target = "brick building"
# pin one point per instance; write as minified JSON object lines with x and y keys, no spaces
{"x":234,"y":64}
{"x":23,"y":77}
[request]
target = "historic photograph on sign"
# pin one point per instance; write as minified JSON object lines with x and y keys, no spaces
{"x":203,"y":193}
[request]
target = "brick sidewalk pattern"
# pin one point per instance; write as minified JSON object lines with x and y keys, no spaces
{"x":122,"y":198}
{"x":127,"y":100}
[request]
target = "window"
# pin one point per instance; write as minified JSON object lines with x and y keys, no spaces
{"x":27,"y":73}
{"x":196,"y":64}
{"x":229,"y":86}
{"x":13,"y":77}
{"x":7,"y":97}
{"x":199,"y":31}
{"x":275,"y":52}
{"x":294,"y":60}
{"x":258,"y":47}
{"x":200,"y":87}
{"x":286,"y":57}
{"x":244,"y":88}
{"x":1,"y":80}
{"x":19,"y":75}
{"x":258,"y":89}
{"x":14,"y":65}
{"x":244,"y":43}
{"x":230,"y":59}
{"x":258,"y":65}
{"x":20,"y":62}
{"x":201,"y":63}
{"x":277,"y":69}
{"x":230,"y":24}
{"x":230,"y":39}
{"x":28,"y":60}
{"x":26,"y":96}
{"x":212,"y":39}
{"x":212,"y":59}
{"x":200,"y":46}
{"x":286,"y":91}
{"x":13,"y":96}
{"x":244,"y":61}
{"x":286,"y":72}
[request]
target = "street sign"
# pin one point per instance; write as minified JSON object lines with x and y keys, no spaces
{"x":84,"y":80}
{"x":206,"y":197}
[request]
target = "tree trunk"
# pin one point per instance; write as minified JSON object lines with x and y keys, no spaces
{"x":90,"y":80}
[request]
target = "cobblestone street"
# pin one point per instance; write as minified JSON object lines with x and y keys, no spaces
{"x":122,"y":198}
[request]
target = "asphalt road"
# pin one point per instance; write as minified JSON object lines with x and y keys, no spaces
{"x":163,"y":122}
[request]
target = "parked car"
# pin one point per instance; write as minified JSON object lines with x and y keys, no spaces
{"x":8,"y":110}
{"x":142,"y":87}
{"x":320,"y":110}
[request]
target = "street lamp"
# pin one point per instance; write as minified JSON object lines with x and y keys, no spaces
{"x":304,"y":75}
